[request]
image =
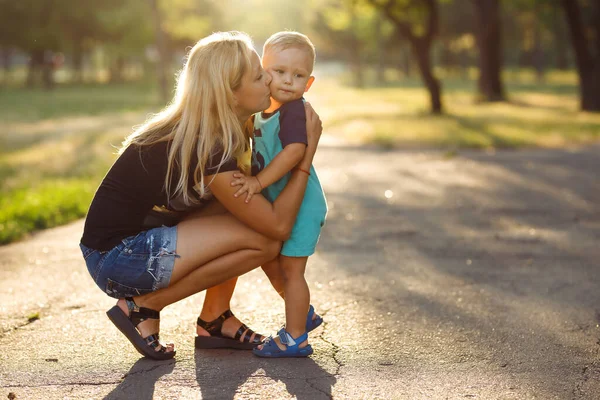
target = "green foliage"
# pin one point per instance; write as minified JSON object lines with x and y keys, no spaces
{"x":50,"y":204}
{"x":128,"y":27}
{"x":189,"y":19}
{"x":56,"y":146}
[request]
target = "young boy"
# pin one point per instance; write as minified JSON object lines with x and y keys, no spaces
{"x":278,"y":145}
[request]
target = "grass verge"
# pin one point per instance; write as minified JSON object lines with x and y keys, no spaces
{"x":536,"y":114}
{"x":52,"y":203}
{"x":55,"y":147}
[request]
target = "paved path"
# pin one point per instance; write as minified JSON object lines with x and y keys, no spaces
{"x":476,"y":276}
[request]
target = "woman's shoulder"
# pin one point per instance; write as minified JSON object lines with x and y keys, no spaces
{"x":219,"y":162}
{"x":147,"y":156}
{"x":147,"y":149}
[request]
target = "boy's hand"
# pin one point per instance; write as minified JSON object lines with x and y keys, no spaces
{"x":249,"y":184}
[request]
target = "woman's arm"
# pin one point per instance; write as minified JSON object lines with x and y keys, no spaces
{"x":281,"y":164}
{"x":273,"y":220}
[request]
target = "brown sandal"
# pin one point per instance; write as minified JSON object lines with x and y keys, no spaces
{"x":217,"y":340}
{"x":148,"y":346}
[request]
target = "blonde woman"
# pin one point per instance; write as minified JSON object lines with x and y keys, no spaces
{"x":177,"y":162}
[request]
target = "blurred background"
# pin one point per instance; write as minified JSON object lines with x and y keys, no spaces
{"x":76,"y":76}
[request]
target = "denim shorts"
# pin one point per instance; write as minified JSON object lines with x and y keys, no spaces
{"x":138,"y":265}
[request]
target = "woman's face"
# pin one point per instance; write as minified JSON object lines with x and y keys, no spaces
{"x":253,"y":95}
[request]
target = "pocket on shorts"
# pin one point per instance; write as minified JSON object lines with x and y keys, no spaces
{"x":118,"y":290}
{"x":87,"y":252}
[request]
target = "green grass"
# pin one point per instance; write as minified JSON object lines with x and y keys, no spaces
{"x":397,"y":115}
{"x":19,"y":105}
{"x":33,"y":317}
{"x":55,"y":147}
{"x":49,"y":204}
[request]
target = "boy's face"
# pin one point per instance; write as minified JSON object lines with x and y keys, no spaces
{"x":290,"y":70}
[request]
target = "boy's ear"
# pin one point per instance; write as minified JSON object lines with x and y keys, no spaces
{"x":309,"y":83}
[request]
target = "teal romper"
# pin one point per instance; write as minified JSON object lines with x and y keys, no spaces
{"x":272,"y":132}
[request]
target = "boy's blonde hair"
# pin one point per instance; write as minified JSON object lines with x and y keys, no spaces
{"x":290,"y":39}
{"x":201,"y":117}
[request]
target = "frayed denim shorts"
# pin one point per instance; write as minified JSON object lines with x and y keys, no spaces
{"x":138,"y":265}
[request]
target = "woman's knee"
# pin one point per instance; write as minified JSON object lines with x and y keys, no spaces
{"x":270,"y":247}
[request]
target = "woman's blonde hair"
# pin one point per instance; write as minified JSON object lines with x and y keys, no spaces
{"x":201,"y":117}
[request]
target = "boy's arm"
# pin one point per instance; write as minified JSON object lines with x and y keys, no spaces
{"x":292,"y":133}
{"x":281,"y":164}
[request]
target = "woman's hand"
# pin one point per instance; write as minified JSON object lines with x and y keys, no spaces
{"x":314,"y":128}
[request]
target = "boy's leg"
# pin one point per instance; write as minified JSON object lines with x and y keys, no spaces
{"x":297,"y":294}
{"x":274,"y":272}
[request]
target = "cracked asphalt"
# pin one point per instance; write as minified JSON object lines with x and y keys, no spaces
{"x":473,"y":276}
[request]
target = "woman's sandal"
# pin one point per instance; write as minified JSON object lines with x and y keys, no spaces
{"x":127,"y":325}
{"x":271,"y":350}
{"x":312,"y":324}
{"x":217,"y":340}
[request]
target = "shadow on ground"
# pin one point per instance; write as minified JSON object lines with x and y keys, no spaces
{"x":139,"y":382}
{"x":493,"y":258}
{"x":298,"y":378}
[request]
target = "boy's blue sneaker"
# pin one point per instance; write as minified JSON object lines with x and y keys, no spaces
{"x":271,"y":350}
{"x":312,"y":324}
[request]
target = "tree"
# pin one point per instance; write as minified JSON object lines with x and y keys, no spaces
{"x":81,"y":27}
{"x":418,"y":22}
{"x":457,"y":29}
{"x":489,"y":40}
{"x":585,"y":39}
{"x":347,"y":27}
{"x":161,"y":46}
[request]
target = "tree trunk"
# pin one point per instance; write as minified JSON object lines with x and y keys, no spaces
{"x":6,"y":55}
{"x":357,"y":67}
{"x":77,"y":61}
{"x":161,"y":46}
{"x":115,"y":69}
{"x":489,"y":41}
{"x":559,"y":33}
{"x":588,"y":66}
{"x":355,"y":50}
{"x":36,"y":60}
{"x":406,"y":62}
{"x":421,"y":49}
{"x":421,"y":45}
{"x":48,"y":69}
{"x":538,"y":50}
{"x":380,"y":73}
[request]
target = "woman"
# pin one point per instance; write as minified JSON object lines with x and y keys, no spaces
{"x":179,"y":160}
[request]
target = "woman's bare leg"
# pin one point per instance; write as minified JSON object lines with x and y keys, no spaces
{"x":211,"y":251}
{"x":216,"y":302}
{"x":275,"y":274}
{"x":218,"y":298}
